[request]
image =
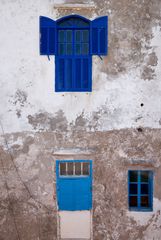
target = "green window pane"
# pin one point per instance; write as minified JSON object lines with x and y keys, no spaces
{"x":69,"y":49}
{"x":77,"y":35}
{"x":133,"y":176}
{"x":69,"y":35}
{"x":61,"y":49}
{"x":85,"y":35}
{"x":61,"y":36}
{"x":85,"y":48}
{"x":78,"y":49}
{"x":144,"y":176}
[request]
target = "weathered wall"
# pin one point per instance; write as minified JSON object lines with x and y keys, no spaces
{"x":117,"y":125}
{"x":31,"y":192}
{"x":128,"y":76}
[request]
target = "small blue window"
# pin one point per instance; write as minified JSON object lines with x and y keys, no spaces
{"x":140,"y":190}
{"x":73,"y":40}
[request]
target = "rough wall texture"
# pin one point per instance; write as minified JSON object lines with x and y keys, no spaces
{"x":118,"y":124}
{"x":28,"y":190}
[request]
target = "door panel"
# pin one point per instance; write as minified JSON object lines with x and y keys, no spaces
{"x":75,"y":192}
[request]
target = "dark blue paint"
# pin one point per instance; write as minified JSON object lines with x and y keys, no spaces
{"x":73,"y":58}
{"x":139,"y":193}
{"x":47,"y":36}
{"x":99,"y":38}
{"x":74,"y":192}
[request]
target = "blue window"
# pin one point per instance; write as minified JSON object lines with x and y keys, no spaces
{"x":140,"y":190}
{"x":73,"y":40}
{"x":74,"y":184}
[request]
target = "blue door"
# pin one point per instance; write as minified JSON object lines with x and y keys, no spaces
{"x":74,"y":184}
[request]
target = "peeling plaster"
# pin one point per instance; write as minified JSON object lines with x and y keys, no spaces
{"x":118,"y":88}
{"x":145,"y":218}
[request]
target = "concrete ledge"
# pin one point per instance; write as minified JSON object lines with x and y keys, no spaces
{"x":74,"y":6}
{"x":73,"y":151}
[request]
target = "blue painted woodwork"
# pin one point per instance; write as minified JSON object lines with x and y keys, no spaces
{"x":140,"y":190}
{"x":74,"y":192}
{"x":47,"y":36}
{"x":73,"y":40}
{"x":99,"y":39}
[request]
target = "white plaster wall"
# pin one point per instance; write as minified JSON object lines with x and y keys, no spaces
{"x":22,"y":68}
{"x":75,"y":224}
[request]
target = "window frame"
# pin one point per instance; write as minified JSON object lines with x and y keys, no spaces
{"x":58,"y":162}
{"x":79,"y":78}
{"x":73,"y":42}
{"x":72,"y":58}
{"x":139,"y":194}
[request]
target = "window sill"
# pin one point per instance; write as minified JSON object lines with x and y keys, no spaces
{"x":141,"y":209}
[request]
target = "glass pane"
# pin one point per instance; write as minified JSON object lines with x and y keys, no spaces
{"x":144,"y":176}
{"x":144,"y":188}
{"x":85,"y":168}
{"x":61,"y":36}
{"x":133,"y":188}
{"x":76,"y":22}
{"x":69,"y":36}
{"x":133,"y":176}
{"x":77,"y":168}
{"x":61,"y":49}
{"x":69,"y":49}
{"x":62,"y":168}
{"x":78,"y":49}
{"x":85,"y":35}
{"x":85,"y":48}
{"x":80,"y":22}
{"x":70,"y":168}
{"x":145,"y":201}
{"x":77,"y":35}
{"x":133,"y":201}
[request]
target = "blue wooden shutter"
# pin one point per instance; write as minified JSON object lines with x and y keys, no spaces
{"x":99,"y":36}
{"x":47,"y":36}
{"x":82,"y":74}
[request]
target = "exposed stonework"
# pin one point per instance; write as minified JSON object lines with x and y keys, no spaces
{"x":133,"y":56}
{"x":31,"y":185}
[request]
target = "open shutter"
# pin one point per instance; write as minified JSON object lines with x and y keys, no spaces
{"x":99,"y":36}
{"x":47,"y":36}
